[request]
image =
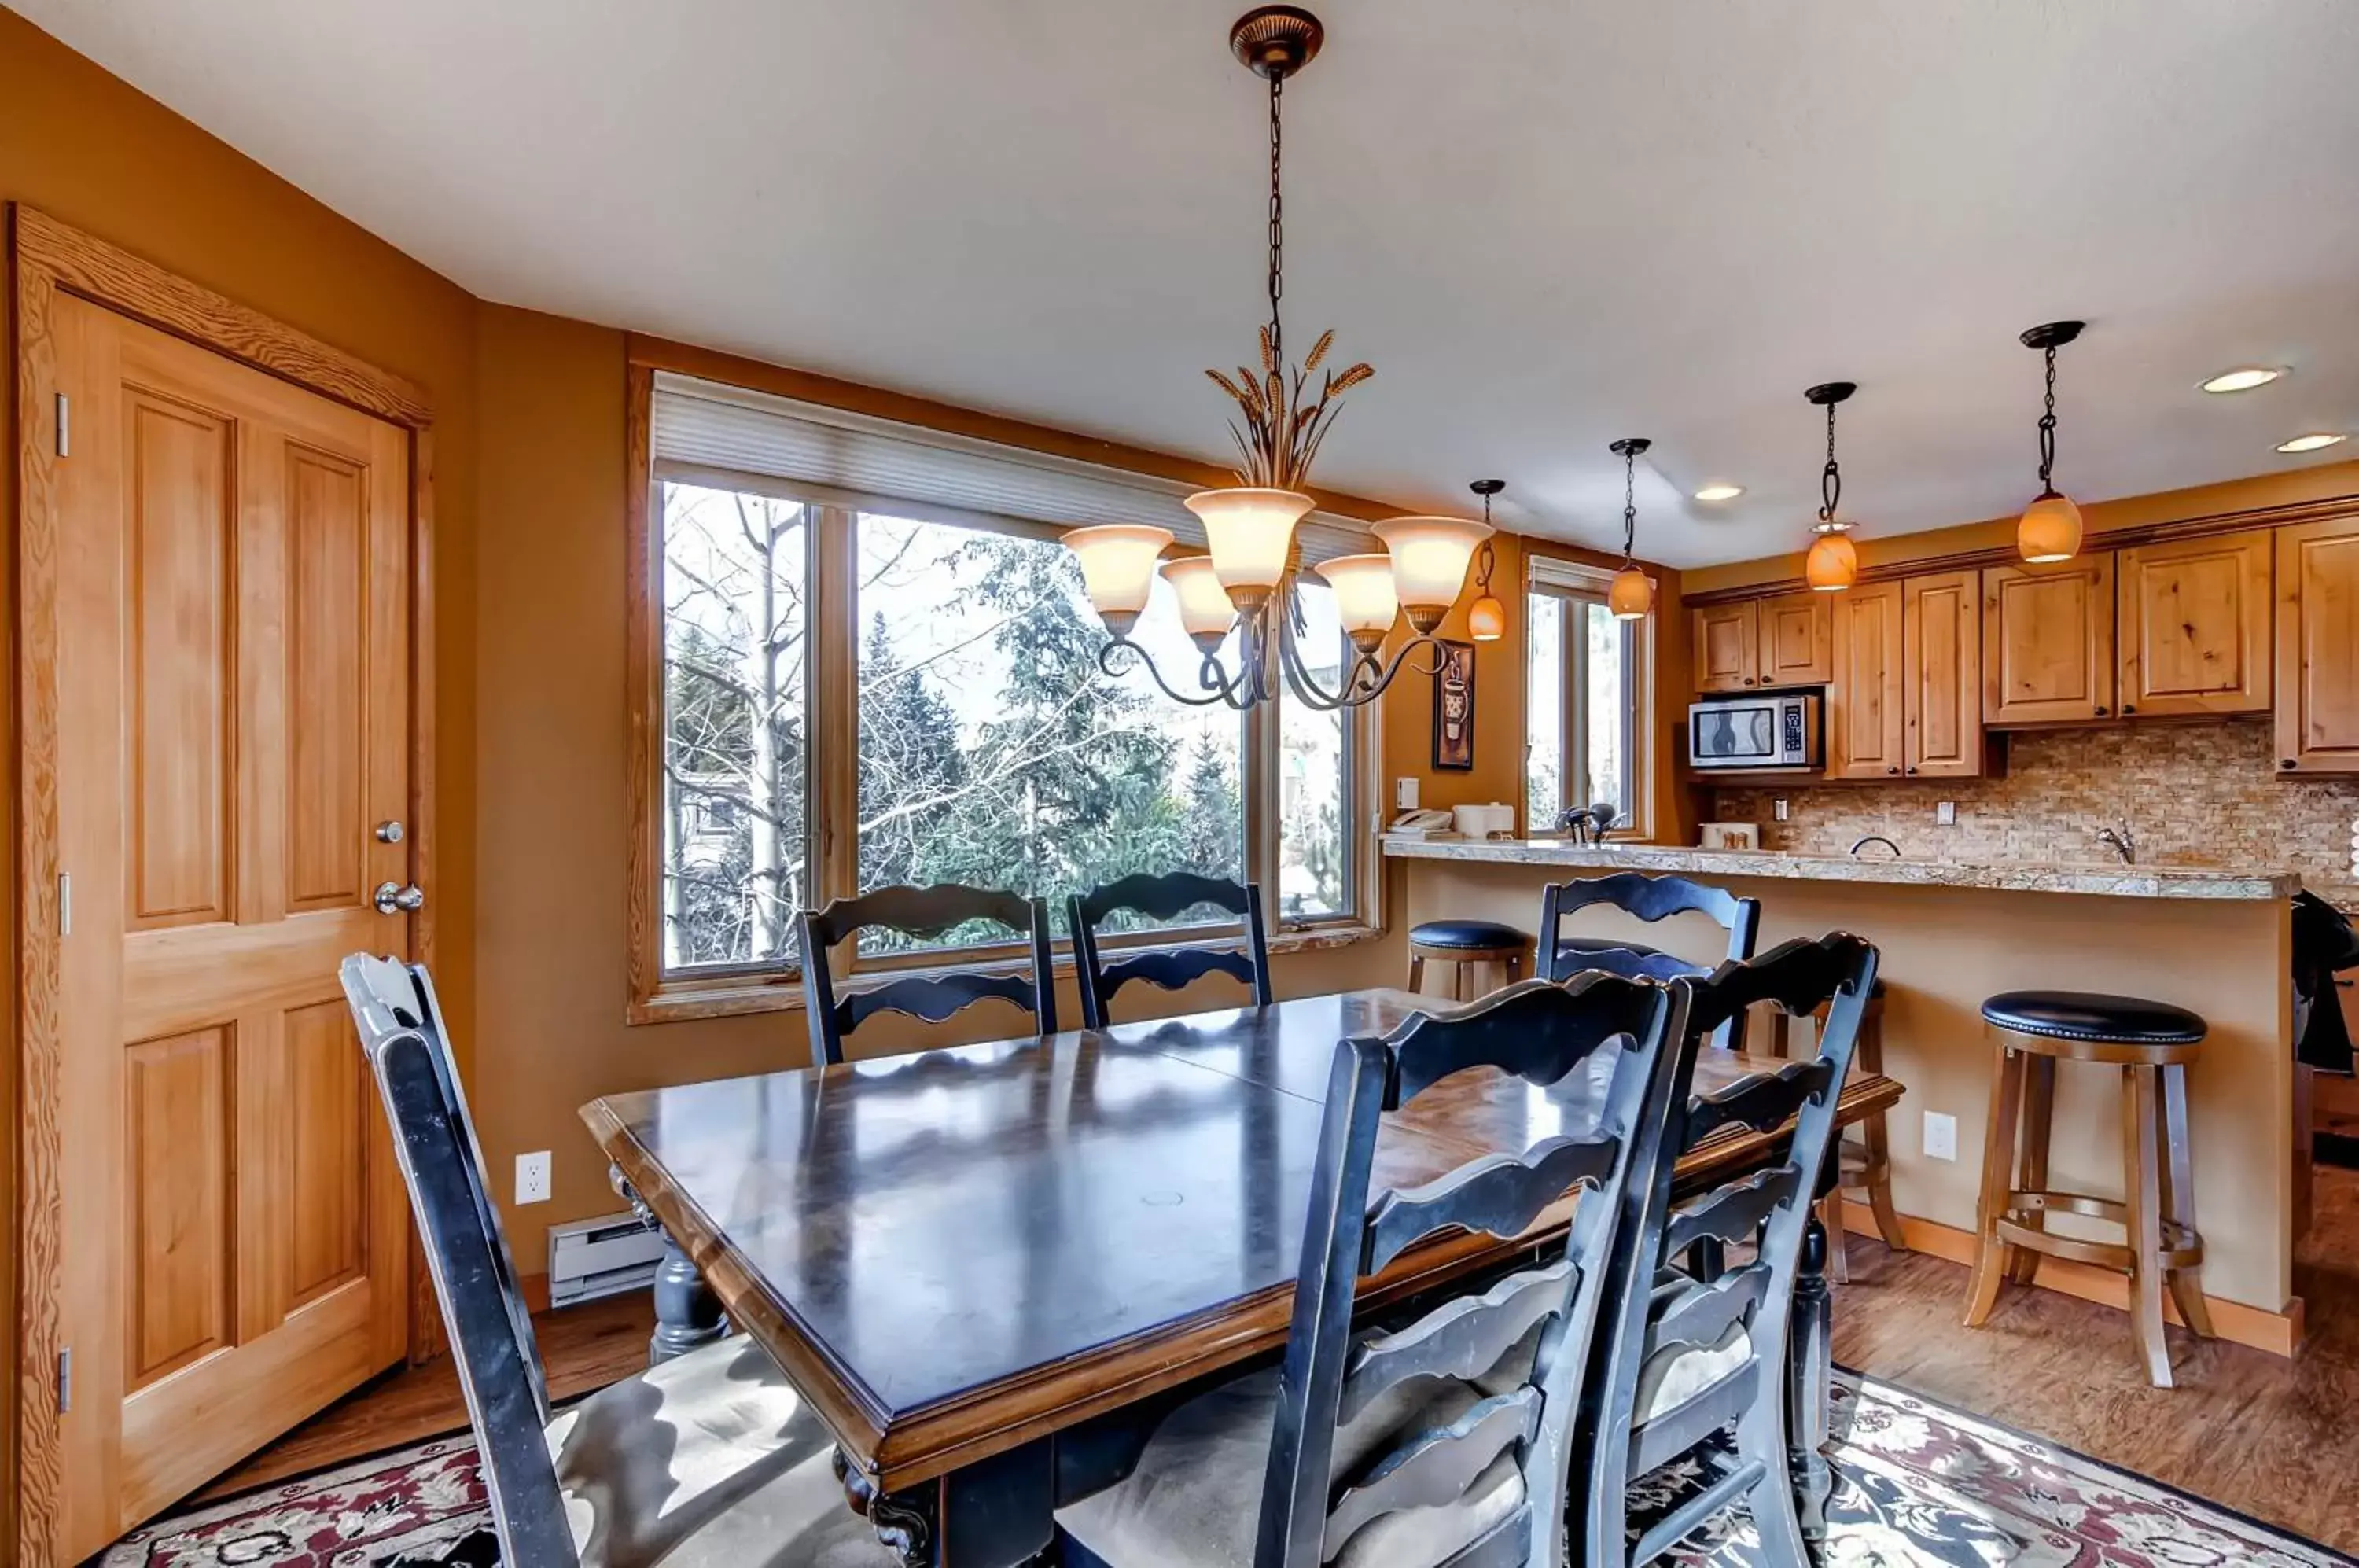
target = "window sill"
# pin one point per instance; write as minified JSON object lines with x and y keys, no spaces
{"x":779,"y":993}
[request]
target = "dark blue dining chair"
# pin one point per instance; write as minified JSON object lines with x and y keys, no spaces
{"x":1649,"y":898}
{"x":1164,"y":898}
{"x":1441,"y":1437}
{"x":1679,"y":1357}
{"x":923,"y":913}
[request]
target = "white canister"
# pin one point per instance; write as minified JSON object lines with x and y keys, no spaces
{"x":1493,"y":820}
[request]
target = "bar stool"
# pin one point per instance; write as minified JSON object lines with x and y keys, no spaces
{"x":2152,"y":1044}
{"x":1461,"y":944}
{"x":1866,"y":1167}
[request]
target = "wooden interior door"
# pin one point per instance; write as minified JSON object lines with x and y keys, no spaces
{"x":1864,"y":703}
{"x":1797,"y":640}
{"x":233,"y":678}
{"x":1727,"y":647}
{"x":2317,"y":648}
{"x":2048,"y":642}
{"x":1940,"y":620}
{"x":2195,"y":626}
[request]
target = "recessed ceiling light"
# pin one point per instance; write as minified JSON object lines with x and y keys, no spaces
{"x":2310,"y":442}
{"x":2243,"y":378}
{"x":1719,"y":491}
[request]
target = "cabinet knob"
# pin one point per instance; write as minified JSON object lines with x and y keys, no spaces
{"x":2286,"y":762}
{"x":2129,"y":707}
{"x":1912,"y":767}
{"x":2099,"y":710}
{"x":1892,"y":770}
{"x":1748,"y":680}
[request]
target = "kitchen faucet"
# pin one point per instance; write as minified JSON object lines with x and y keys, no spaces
{"x":1875,"y":838}
{"x":2120,"y":840}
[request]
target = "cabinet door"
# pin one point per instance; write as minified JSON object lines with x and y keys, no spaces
{"x":1726,"y":650}
{"x":1864,"y":732}
{"x":2195,"y":626}
{"x":1940,"y":620}
{"x":1797,"y":640}
{"x":2317,"y":648}
{"x":2048,"y":642}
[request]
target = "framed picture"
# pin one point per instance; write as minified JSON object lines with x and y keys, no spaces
{"x":1453,"y":707}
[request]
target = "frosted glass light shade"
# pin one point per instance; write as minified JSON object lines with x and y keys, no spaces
{"x":2050,"y":530}
{"x":1364,"y":600}
{"x":1249,"y":532}
{"x":1630,"y":596}
{"x":1204,"y":608}
{"x":1833,"y":564}
{"x":1118,"y":568}
{"x":1430,"y":559}
{"x":1486,"y":619}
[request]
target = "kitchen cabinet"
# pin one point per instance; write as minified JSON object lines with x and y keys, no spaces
{"x":2317,"y":647}
{"x":2195,"y":626}
{"x":1940,"y":623}
{"x":1865,"y":734}
{"x":1797,"y":640}
{"x":2048,"y":642}
{"x":1727,"y":646}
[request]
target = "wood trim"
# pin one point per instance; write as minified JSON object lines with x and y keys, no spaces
{"x":426,"y":1332}
{"x":643,"y":699}
{"x":2279,"y":1334}
{"x":48,"y":258}
{"x":2324,"y":509}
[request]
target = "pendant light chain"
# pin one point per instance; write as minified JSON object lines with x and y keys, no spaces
{"x":1831,"y":479}
{"x":2048,"y":430}
{"x":1629,"y":503}
{"x":1276,"y":216}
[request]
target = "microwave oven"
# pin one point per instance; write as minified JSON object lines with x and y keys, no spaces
{"x":1779,"y":730}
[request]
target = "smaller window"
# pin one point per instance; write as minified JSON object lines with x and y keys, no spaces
{"x":1586,"y":727}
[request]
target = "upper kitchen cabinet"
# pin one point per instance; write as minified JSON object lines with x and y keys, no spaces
{"x":1727,"y":646}
{"x":1865,"y":734}
{"x":2048,"y":642}
{"x":1941,"y":623}
{"x":2317,"y":648}
{"x":2195,"y":626}
{"x":1797,"y":640}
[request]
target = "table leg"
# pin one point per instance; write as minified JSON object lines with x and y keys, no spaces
{"x":996,"y":1513}
{"x":1809,"y":1379}
{"x":688,"y":1314}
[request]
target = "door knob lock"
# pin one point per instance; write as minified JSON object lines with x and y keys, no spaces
{"x":392,"y":898}
{"x":389,"y":832}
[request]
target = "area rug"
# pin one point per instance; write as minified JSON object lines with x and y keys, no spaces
{"x":1916,"y":1483}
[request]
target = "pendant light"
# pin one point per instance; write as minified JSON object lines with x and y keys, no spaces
{"x":1486,"y":618}
{"x":2051,"y":529}
{"x":1631,"y":596}
{"x":1833,"y":562}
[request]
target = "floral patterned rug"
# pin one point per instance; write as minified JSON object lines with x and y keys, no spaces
{"x":1916,"y":1483}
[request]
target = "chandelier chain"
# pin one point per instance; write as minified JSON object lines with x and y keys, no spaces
{"x":1831,"y":478}
{"x":2048,"y":430}
{"x":1629,"y":503}
{"x":1276,"y":216}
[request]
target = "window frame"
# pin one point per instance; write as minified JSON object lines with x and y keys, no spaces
{"x":1576,"y":583}
{"x":831,"y":779}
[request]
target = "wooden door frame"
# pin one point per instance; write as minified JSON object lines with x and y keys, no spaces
{"x":49,"y":259}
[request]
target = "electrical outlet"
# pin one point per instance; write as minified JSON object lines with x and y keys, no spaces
{"x":532,"y":1177}
{"x":1940,"y":1136}
{"x":1405,"y":794}
{"x":1780,"y":810}
{"x":1945,"y":813}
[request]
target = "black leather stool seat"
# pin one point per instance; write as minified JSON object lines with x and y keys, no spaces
{"x":1467,"y":934}
{"x":2086,"y":1015}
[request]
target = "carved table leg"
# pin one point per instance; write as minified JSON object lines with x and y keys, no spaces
{"x":1809,"y":1379}
{"x":903,"y":1521}
{"x":688,"y":1314}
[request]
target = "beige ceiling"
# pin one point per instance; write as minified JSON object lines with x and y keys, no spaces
{"x":1549,"y":225}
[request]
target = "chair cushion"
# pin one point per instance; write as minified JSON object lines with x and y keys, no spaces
{"x":1669,"y":1378}
{"x":1195,"y":1496}
{"x":2086,"y":1015}
{"x":1466,"y":933}
{"x":711,"y":1460}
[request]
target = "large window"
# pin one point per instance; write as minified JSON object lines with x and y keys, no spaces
{"x":850,"y":693}
{"x":1584,"y":687}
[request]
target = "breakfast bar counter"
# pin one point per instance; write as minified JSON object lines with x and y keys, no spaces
{"x":2216,"y":942}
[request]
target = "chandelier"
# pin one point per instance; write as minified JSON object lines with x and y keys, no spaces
{"x":1248,"y":583}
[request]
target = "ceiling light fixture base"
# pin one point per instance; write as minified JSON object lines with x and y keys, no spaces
{"x":1275,"y":41}
{"x":1630,"y":446}
{"x":1830,"y":392}
{"x":2054,"y":335}
{"x":1487,"y":488}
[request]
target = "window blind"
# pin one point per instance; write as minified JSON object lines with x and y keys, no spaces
{"x":877,"y":462}
{"x":1549,"y":573}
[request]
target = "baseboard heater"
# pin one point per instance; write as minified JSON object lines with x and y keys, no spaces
{"x":603,"y":1257}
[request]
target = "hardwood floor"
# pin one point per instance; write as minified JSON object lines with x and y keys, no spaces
{"x":2274,"y":1438}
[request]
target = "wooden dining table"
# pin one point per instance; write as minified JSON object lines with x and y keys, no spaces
{"x":962,"y":1257}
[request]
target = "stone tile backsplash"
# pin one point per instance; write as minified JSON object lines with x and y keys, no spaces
{"x":2203,"y":794}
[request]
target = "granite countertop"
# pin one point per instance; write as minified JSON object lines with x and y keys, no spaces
{"x":2116,"y":881}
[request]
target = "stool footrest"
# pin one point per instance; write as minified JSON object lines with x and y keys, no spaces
{"x":2018,"y":1225}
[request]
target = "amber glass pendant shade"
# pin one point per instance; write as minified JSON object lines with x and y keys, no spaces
{"x":2049,"y":531}
{"x":1834,"y":562}
{"x":1631,"y":596}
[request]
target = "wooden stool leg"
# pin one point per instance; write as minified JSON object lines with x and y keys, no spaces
{"x":1998,"y":1183}
{"x":1869,"y":1058}
{"x":1417,"y":972}
{"x":2178,"y":1197}
{"x":1831,"y":1214}
{"x":2038,"y":1117}
{"x":1458,"y":980}
{"x":2142,"y":1179}
{"x":1514,"y":967}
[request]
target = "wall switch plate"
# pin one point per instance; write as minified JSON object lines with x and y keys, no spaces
{"x":1945,"y":813}
{"x":1780,"y":810}
{"x":1940,"y":1136}
{"x":532,"y":1177}
{"x":1405,"y":794}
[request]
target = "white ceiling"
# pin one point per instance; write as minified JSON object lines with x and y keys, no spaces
{"x":1548,"y":224}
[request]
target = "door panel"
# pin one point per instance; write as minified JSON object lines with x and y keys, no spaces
{"x":1865,"y":703}
{"x":2048,"y":642}
{"x":1727,"y":647}
{"x":2317,"y":648}
{"x":234,"y":678}
{"x":1941,"y":630}
{"x":1797,"y":640}
{"x":2195,"y":626}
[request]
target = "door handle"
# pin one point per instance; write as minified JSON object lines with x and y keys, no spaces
{"x":392,"y":898}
